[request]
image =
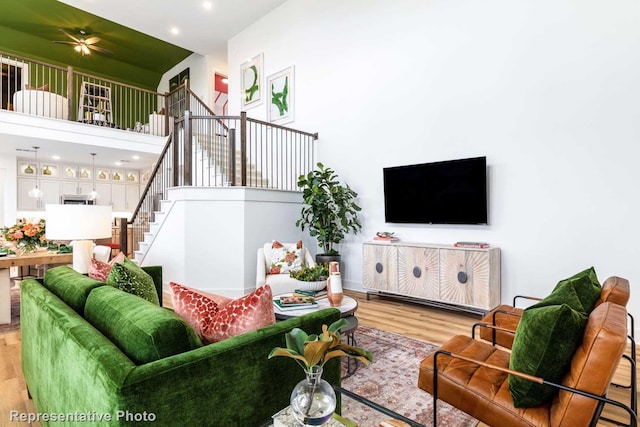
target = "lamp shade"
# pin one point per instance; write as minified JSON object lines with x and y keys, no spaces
{"x":78,"y":222}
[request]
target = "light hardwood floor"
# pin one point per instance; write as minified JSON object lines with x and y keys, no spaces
{"x":417,"y":321}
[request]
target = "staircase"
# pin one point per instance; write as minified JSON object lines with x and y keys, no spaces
{"x":222,"y":151}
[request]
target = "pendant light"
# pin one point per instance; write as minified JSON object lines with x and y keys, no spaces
{"x":35,"y":192}
{"x":94,"y":194}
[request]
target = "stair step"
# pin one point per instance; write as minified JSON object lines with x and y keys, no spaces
{"x":148,"y":237}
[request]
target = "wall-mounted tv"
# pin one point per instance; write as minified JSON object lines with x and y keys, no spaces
{"x":448,"y":192}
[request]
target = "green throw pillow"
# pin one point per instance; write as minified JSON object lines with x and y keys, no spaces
{"x":544,"y":344}
{"x":584,"y":285}
{"x":131,"y":278}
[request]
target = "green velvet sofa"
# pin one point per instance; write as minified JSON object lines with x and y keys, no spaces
{"x":73,"y":367}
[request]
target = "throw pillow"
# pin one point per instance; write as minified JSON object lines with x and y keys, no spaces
{"x":196,"y":309}
{"x":245,"y":314}
{"x":586,"y":287}
{"x":130,"y":278}
{"x":100,"y":270}
{"x":285,"y":257}
{"x":544,"y":344}
{"x":143,"y":331}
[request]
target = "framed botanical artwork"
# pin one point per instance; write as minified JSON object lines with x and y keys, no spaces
{"x":281,"y":105}
{"x":251,"y":80}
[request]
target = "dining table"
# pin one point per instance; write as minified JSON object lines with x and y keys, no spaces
{"x":24,"y":260}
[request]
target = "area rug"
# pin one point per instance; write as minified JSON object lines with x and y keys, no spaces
{"x":392,"y":381}
{"x":15,"y":312}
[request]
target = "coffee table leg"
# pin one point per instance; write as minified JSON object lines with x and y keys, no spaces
{"x":352,"y":364}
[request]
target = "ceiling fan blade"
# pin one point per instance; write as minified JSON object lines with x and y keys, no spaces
{"x":92,"y":40}
{"x":64,"y":42}
{"x":99,"y":49}
{"x":72,"y":37}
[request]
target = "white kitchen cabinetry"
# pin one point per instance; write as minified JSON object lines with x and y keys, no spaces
{"x":50,"y":190}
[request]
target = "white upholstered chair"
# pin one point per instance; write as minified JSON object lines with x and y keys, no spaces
{"x":280,"y":283}
{"x":102,"y":253}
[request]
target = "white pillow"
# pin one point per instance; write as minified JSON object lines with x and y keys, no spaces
{"x":285,"y":257}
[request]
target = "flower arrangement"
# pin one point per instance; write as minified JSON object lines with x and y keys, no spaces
{"x":315,"y":350}
{"x":27,"y":235}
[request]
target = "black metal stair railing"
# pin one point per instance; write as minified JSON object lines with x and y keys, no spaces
{"x":206,"y":150}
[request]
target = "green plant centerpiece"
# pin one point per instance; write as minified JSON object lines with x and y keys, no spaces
{"x":317,"y":273}
{"x":330,"y":211}
{"x":313,"y":400}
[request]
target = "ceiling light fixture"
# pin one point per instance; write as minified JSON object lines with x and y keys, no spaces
{"x":35,"y":192}
{"x":94,"y":194}
{"x":175,"y":31}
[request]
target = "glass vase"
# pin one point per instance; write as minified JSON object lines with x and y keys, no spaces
{"x":27,"y":248}
{"x":313,"y":400}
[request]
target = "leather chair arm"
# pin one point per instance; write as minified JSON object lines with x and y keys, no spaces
{"x":525,"y":297}
{"x":632,"y":416}
{"x":488,"y":326}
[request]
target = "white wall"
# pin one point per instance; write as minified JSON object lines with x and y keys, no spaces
{"x":201,"y":73}
{"x":210,"y":237}
{"x":548,"y":90}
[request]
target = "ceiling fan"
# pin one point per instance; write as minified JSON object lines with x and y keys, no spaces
{"x":83,"y":44}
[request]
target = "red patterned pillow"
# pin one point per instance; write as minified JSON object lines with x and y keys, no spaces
{"x":215,"y":323}
{"x":285,"y":257}
{"x":99,"y":270}
{"x":196,"y":309}
{"x":245,"y":314}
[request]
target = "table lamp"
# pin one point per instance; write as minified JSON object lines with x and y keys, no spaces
{"x":81,"y":223}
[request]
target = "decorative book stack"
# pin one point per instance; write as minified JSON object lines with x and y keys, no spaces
{"x":294,"y":303}
{"x":473,"y":245}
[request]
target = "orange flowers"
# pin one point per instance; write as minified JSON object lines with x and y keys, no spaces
{"x":26,"y":233}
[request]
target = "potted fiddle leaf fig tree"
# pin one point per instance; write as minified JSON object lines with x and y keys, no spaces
{"x":329,"y":212}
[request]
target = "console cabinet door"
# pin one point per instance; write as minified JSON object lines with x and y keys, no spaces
{"x":418,"y":272}
{"x":380,"y":271}
{"x":464,"y":277}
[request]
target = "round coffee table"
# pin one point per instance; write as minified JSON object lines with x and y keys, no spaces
{"x":347,"y":308}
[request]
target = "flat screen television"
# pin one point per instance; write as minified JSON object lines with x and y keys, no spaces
{"x":448,"y":192}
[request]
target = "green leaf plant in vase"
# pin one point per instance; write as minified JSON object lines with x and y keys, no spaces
{"x":329,"y":211}
{"x":311,"y":278}
{"x":313,"y":400}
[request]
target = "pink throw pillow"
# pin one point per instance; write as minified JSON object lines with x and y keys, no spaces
{"x":245,"y":314}
{"x":196,"y":309}
{"x":215,"y":321}
{"x":100,"y":270}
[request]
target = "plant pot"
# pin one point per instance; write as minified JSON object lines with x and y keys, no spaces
{"x":311,"y":286}
{"x":326,"y":259}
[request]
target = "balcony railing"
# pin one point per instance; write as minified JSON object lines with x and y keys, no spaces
{"x":202,"y":149}
{"x":34,"y":87}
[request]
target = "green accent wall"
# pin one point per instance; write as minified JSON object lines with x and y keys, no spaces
{"x":29,"y":27}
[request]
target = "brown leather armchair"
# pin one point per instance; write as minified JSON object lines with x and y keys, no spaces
{"x":472,"y":375}
{"x":506,"y":317}
{"x":500,"y":324}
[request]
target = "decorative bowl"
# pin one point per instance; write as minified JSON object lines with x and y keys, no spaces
{"x":311,"y":286}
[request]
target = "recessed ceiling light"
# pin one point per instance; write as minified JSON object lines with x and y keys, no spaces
{"x":135,"y":157}
{"x":207,"y":5}
{"x":118,"y":164}
{"x":55,"y":157}
{"x":175,"y":31}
